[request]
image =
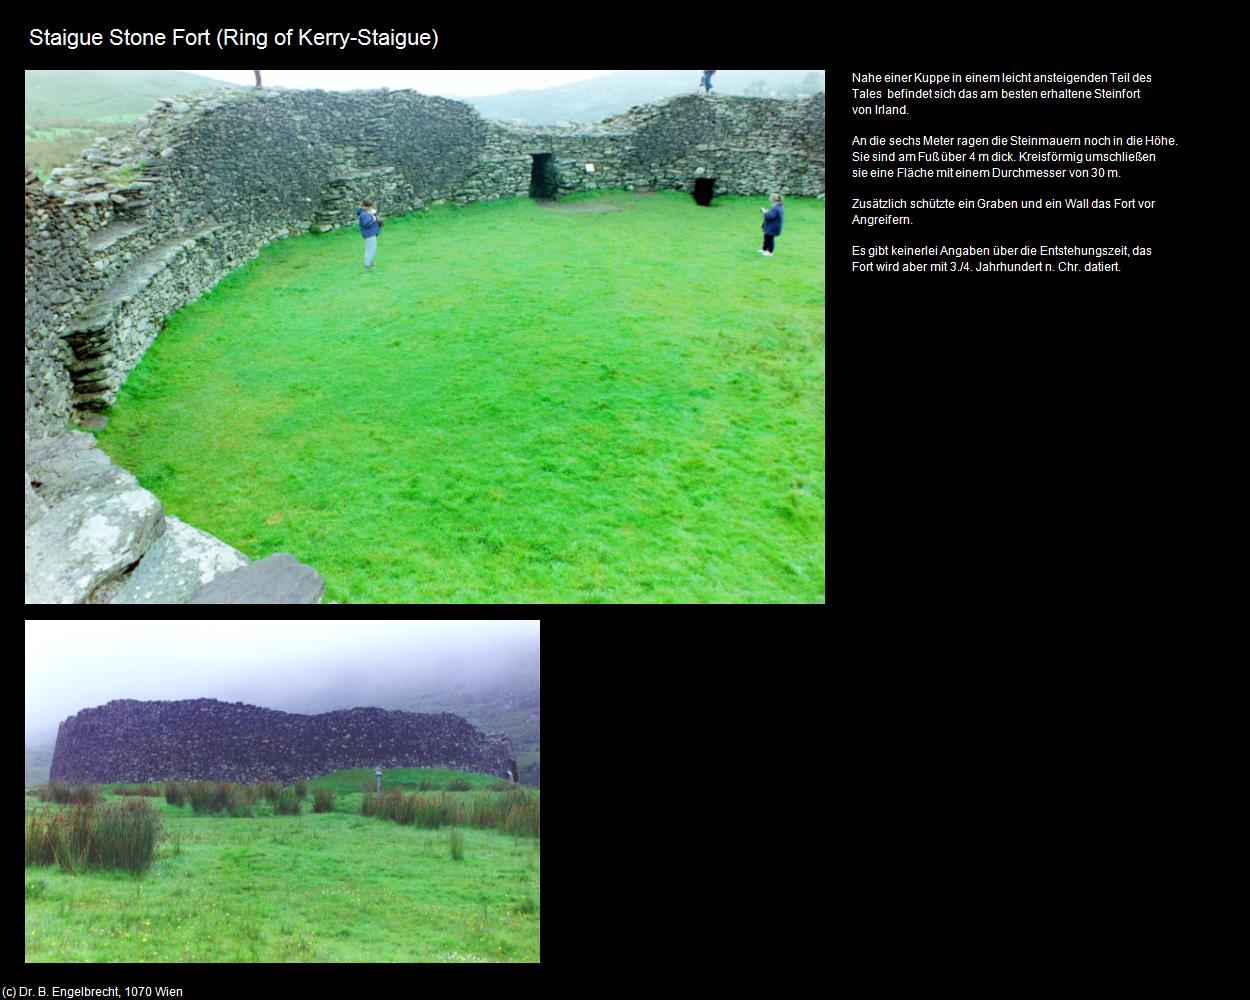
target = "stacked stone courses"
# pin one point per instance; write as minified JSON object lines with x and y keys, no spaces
{"x":210,"y":740}
{"x":142,"y":225}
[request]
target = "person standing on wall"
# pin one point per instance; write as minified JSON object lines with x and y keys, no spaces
{"x":370,"y":226}
{"x":771,"y":224}
{"x":707,"y":80}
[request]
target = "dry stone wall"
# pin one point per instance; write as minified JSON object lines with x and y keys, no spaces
{"x":142,"y":225}
{"x":210,"y":740}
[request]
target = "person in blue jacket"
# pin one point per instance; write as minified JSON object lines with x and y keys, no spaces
{"x":707,"y":80}
{"x":370,"y":226}
{"x":771,"y":224}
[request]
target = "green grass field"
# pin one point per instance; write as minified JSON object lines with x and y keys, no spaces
{"x":328,"y":887}
{"x":615,"y":400}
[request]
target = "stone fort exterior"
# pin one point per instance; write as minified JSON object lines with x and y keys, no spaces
{"x":142,"y":225}
{"x":209,"y":740}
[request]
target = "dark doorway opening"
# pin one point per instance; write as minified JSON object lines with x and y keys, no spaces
{"x":543,"y":180}
{"x":703,"y":189}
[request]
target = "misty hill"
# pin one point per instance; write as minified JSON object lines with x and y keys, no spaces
{"x":594,"y":100}
{"x":67,"y":109}
{"x":39,"y":747}
{"x":67,"y":98}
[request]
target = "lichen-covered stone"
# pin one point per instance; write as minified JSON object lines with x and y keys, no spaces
{"x":178,"y":565}
{"x":35,"y":508}
{"x":279,"y":579}
{"x":86,"y":540}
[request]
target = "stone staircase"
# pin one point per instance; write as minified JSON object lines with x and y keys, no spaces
{"x":98,"y":368}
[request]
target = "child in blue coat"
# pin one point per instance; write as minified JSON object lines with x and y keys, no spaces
{"x":370,"y":226}
{"x":772,"y":224}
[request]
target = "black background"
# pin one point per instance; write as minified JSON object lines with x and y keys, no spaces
{"x":993,"y":436}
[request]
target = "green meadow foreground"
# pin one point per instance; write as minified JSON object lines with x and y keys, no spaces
{"x":613,"y":399}
{"x":318,"y":887}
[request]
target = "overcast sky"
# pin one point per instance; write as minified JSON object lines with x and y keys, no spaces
{"x":433,"y":82}
{"x":75,"y":665}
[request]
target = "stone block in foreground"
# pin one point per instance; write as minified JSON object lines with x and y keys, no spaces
{"x":178,"y":565}
{"x":88,"y":540}
{"x":279,"y":579}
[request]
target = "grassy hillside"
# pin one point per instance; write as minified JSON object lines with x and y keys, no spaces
{"x":318,"y":887}
{"x":56,"y":97}
{"x":66,"y":110}
{"x":613,"y":399}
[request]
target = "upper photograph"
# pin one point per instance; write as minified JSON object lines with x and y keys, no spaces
{"x":399,"y":337}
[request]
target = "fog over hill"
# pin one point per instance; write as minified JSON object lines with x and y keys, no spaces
{"x":612,"y":94}
{"x":486,"y":671}
{"x":69,"y":97}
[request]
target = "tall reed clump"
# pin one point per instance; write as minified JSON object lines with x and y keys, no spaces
{"x":323,"y":801}
{"x":236,"y":801}
{"x":73,"y":846}
{"x":431,"y":812}
{"x":458,"y":785}
{"x":269,"y":790}
{"x":456,"y":840}
{"x":42,"y":837}
{"x":208,"y":796}
{"x":64,"y":793}
{"x":287,"y":804}
{"x":125,"y":835}
{"x":114,"y":835}
{"x":514,"y":811}
{"x":301,"y":789}
{"x":427,"y":811}
{"x":484,"y":812}
{"x":522,"y":817}
{"x":145,"y":790}
{"x":175,"y":793}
